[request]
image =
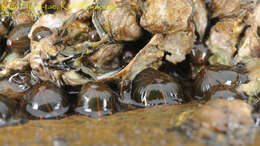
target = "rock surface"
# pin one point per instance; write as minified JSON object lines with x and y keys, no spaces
{"x":140,"y":127}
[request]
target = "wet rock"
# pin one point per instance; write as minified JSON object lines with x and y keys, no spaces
{"x":6,"y":21}
{"x":222,"y":122}
{"x":135,"y":127}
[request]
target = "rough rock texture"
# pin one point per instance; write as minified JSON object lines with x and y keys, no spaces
{"x":222,"y":122}
{"x":140,"y":127}
{"x":165,"y":15}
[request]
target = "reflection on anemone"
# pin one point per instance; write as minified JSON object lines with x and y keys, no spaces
{"x":151,"y":87}
{"x":218,"y":75}
{"x":225,"y":92}
{"x":46,"y":101}
{"x":96,"y":99}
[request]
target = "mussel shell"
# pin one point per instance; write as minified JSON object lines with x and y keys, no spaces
{"x":16,"y":85}
{"x":18,"y":40}
{"x":224,"y":92}
{"x":46,"y":101}
{"x":218,"y":75}
{"x":96,"y":99}
{"x":152,"y":87}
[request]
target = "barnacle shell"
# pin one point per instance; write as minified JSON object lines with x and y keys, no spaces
{"x":50,"y":21}
{"x":120,"y":21}
{"x":223,"y":39}
{"x":200,"y":17}
{"x":109,"y":54}
{"x":249,"y":47}
{"x":178,"y":44}
{"x":252,"y":88}
{"x":165,"y":15}
{"x":231,"y":8}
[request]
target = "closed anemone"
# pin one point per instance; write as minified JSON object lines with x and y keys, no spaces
{"x":16,"y":85}
{"x":218,"y":75}
{"x":224,"y":92}
{"x":6,"y":109}
{"x":152,"y":87}
{"x":46,"y":101}
{"x":18,"y":40}
{"x":40,"y":33}
{"x":7,"y":112}
{"x":96,"y":100}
